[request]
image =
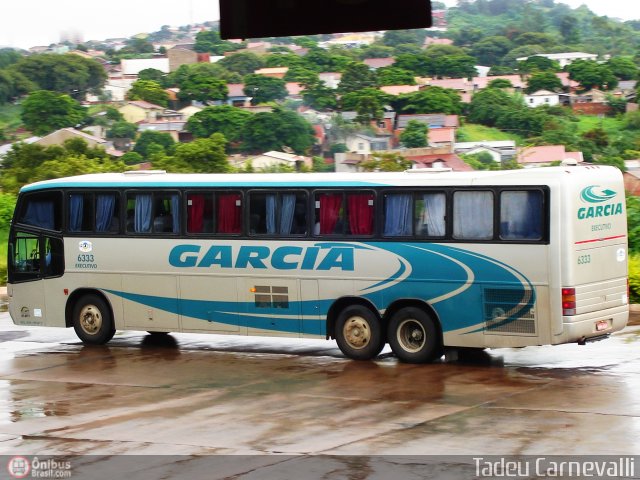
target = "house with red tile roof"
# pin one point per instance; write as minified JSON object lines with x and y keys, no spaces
{"x":440,"y":160}
{"x":441,"y":137}
{"x":294,"y":90}
{"x":375,"y":63}
{"x":546,"y":155}
{"x":275,"y":72}
{"x":436,"y":41}
{"x":396,"y":90}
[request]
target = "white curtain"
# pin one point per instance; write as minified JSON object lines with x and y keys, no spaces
{"x":473,"y":215}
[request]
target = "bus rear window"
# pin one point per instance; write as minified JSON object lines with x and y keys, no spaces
{"x":521,"y":215}
{"x":41,"y":210}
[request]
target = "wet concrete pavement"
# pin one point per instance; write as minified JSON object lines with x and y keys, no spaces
{"x":192,"y":395}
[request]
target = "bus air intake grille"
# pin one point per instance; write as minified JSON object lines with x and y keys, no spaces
{"x":508,"y":311}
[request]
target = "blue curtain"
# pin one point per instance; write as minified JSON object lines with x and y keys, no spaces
{"x":142,"y":216}
{"x":397,"y":215}
{"x":105,"y":205}
{"x":76,"y":204}
{"x":286,"y":213}
{"x":271,"y":214}
{"x":39,"y":214}
{"x":521,"y":215}
{"x":175,"y":213}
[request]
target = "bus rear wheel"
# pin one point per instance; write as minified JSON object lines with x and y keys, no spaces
{"x":92,"y":320}
{"x":413,"y":336}
{"x":358,"y":333}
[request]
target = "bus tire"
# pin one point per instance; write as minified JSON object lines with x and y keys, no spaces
{"x":92,"y":320}
{"x":413,"y":336}
{"x":358,"y":333}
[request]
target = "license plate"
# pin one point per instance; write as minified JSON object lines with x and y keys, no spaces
{"x":602,"y":325}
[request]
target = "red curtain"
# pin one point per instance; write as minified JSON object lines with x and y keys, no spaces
{"x":360,"y":213}
{"x":195,"y":213}
{"x":229,"y":219}
{"x":330,"y":204}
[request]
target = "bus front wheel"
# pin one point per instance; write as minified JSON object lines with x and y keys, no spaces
{"x":358,"y":333}
{"x":92,"y":320}
{"x":413,"y":336}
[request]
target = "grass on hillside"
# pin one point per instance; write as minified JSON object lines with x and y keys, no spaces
{"x":10,"y":117}
{"x":4,"y":237}
{"x":610,"y":125}
{"x":473,"y":132}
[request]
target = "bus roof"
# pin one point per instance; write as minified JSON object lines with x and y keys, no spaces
{"x":419,"y":177}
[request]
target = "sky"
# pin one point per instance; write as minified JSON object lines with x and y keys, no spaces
{"x":28,"y":23}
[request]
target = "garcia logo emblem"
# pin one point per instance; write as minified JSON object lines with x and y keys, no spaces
{"x":596,"y":194}
{"x":85,"y":246}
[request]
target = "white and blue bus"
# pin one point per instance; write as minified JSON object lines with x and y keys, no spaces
{"x":421,"y":260}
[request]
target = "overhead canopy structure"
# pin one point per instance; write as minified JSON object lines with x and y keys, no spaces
{"x":283,"y":18}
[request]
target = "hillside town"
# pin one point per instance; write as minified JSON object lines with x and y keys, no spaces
{"x":175,"y":59}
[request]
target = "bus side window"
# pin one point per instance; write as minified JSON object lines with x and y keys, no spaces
{"x":200,"y":212}
{"x":360,"y":212}
{"x":430,"y":214}
{"x":521,"y":215}
{"x":80,"y":212}
{"x":329,"y":216}
{"x":107,"y":208}
{"x":473,"y":215}
{"x":397,"y":215}
{"x":42,"y":210}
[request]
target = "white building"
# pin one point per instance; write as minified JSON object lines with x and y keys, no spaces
{"x":542,"y":97}
{"x":563,"y":59}
{"x":133,"y":66}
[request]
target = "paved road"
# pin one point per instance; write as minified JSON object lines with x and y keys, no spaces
{"x":266,"y":399}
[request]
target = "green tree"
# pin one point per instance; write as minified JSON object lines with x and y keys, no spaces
{"x":205,"y":155}
{"x":486,"y":106}
{"x":13,"y":84}
{"x":155,"y":75}
{"x":274,"y":130}
{"x":317,"y":95}
{"x":27,"y":163}
{"x":591,"y":74}
{"x":213,"y":70}
{"x":543,"y":81}
{"x":393,"y":38}
{"x":455,"y":66}
{"x":357,"y":76}
{"x":537,"y":63}
{"x":624,"y":68}
{"x":491,"y":50}
{"x":420,"y":65}
{"x":225,"y":119}
{"x":210,"y":41}
{"x":202,"y":88}
{"x":263,"y":89}
{"x":132,"y":158}
{"x":69,"y":73}
{"x":386,"y":162}
{"x":368,"y":103}
{"x":431,"y":100}
{"x":415,"y":134}
{"x":395,"y":76}
{"x":243,"y":63}
{"x":136,"y":45}
{"x":151,"y":137}
{"x":8,"y":56}
{"x":149,"y":91}
{"x":122,"y":129}
{"x":44,"y":112}
{"x":500,"y":83}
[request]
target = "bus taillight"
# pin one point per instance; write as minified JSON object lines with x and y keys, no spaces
{"x":568,"y":301}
